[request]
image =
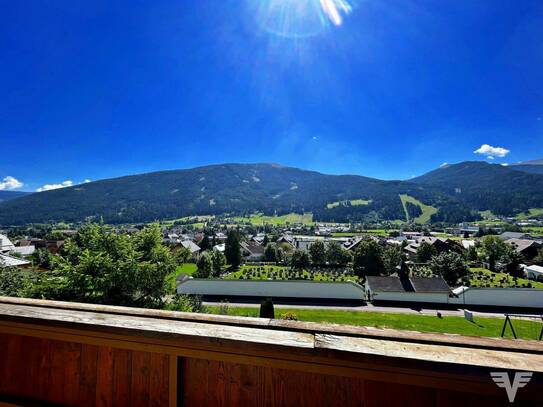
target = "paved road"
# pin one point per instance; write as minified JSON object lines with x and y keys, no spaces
{"x":365,"y":308}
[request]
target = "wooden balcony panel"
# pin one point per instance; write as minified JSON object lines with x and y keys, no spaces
{"x":83,"y":354}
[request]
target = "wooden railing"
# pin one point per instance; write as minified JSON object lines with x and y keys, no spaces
{"x":80,"y":354}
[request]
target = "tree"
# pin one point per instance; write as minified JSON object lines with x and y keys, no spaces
{"x":204,"y":267}
{"x":368,"y":260}
{"x":300,"y":259}
{"x":471,"y":254}
{"x":265,"y":241}
{"x":336,"y":255}
{"x":101,"y":267}
{"x":317,"y":252}
{"x":205,"y":244}
{"x":13,"y":282}
{"x":494,"y":249}
{"x":392,"y":258}
{"x":425,"y":252}
{"x":42,"y":258}
{"x":511,"y":261}
{"x":450,"y":266}
{"x":270,"y":252}
{"x":539,"y":258}
{"x":219,"y":260}
{"x":232,"y":249}
{"x":182,"y":255}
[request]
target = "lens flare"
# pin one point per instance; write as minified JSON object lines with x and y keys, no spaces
{"x":334,"y":8}
{"x":300,"y":18}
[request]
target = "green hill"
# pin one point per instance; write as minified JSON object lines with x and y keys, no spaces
{"x":453,"y":194}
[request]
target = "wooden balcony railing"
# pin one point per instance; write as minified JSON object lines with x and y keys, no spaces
{"x":55,"y":353}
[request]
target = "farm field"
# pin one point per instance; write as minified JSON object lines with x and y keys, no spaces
{"x":490,"y":327}
{"x":427,"y":210}
{"x":485,"y":278}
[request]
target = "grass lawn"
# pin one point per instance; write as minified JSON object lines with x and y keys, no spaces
{"x":353,"y":202}
{"x":533,"y":229}
{"x":374,"y":232}
{"x":531,"y":213}
{"x":493,"y":279}
{"x":187,"y":268}
{"x":291,"y":218}
{"x":244,"y":271}
{"x":491,"y":327}
{"x":427,"y":210}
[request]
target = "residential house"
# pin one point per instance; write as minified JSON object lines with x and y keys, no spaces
{"x":193,"y":247}
{"x":527,"y":248}
{"x":534,"y":272}
{"x":515,"y":235}
{"x":252,"y":251}
{"x":441,"y":245}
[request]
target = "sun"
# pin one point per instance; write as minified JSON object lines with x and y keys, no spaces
{"x":301,"y":18}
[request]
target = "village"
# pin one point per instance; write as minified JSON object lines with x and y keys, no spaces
{"x":476,"y":266}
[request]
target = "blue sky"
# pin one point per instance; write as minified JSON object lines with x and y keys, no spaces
{"x":98,"y":89}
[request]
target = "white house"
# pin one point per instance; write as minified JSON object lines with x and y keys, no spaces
{"x":219,"y":247}
{"x":534,"y":272}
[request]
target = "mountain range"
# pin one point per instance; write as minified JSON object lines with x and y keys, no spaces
{"x":455,"y":193}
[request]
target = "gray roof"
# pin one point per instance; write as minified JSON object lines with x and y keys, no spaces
{"x":189,"y":244}
{"x":429,"y":284}
{"x":10,"y":261}
{"x":413,"y":284}
{"x":392,"y":284}
{"x":514,"y":235}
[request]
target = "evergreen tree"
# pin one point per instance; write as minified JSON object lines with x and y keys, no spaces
{"x":300,"y":259}
{"x":204,"y":266}
{"x":205,"y":244}
{"x":317,"y":252}
{"x":368,"y":260}
{"x":232,"y":249}
{"x":219,"y":260}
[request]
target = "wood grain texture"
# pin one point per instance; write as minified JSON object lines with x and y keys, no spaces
{"x":293,"y":326}
{"x":66,"y":373}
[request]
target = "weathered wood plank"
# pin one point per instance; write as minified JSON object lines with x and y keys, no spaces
{"x":436,"y":353}
{"x":294,"y":326}
{"x":155,"y":327}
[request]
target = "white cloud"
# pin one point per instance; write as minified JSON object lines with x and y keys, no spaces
{"x":505,"y":164}
{"x":489,"y":150}
{"x":314,"y":137}
{"x":10,"y":183}
{"x":49,"y":187}
{"x":65,"y":184}
{"x":444,"y":165}
{"x":490,"y":157}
